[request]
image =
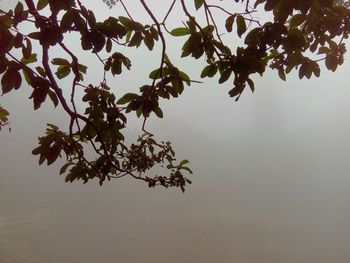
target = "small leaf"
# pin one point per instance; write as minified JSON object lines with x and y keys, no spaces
{"x":125,"y":21}
{"x":53,"y":98}
{"x":258,"y":2}
{"x":241,"y":25}
{"x":41,"y":71}
{"x":185,"y":77}
{"x":251,"y":85}
{"x":236,"y":91}
{"x":67,"y":20}
{"x":60,"y":61}
{"x":225,"y":75}
{"x":82,"y":68}
{"x":297,"y":20}
{"x":109,"y":45}
{"x":27,"y":50}
{"x":136,"y":40}
{"x":331,"y":62}
{"x":127,"y":98}
{"x":302,"y":70}
{"x":179,"y":86}
{"x":154,"y":33}
{"x":209,"y":71}
{"x":64,"y":167}
{"x":229,"y":23}
{"x":31,"y":59}
{"x":62,"y":71}
{"x":208,"y":29}
{"x":323,"y":50}
{"x":3,"y":114}
{"x":172,"y":90}
{"x":198,"y":3}
{"x":182,"y":188}
{"x":128,"y":36}
{"x":52,"y":154}
{"x":160,"y":73}
{"x":19,"y":9}
{"x":188,"y":170}
{"x":28,"y":75}
{"x":11,"y":79}
{"x":98,"y":42}
{"x":183,"y":162}
{"x":282,"y":75}
{"x":149,"y":41}
{"x":39,"y":94}
{"x":42,"y":4}
{"x":180,"y":31}
{"x":37,"y":150}
{"x":205,"y":71}
{"x":158,"y":111}
{"x":116,"y":67}
{"x":34,"y":35}
{"x":317,"y":71}
{"x":212,"y":70}
{"x":163,"y":93}
{"x":139,"y":112}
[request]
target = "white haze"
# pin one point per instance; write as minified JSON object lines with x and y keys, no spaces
{"x":271,"y":180}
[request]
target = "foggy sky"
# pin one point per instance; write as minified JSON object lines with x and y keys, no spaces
{"x":271,"y":180}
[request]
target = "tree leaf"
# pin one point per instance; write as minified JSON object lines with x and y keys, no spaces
{"x":39,"y":94}
{"x":11,"y":79}
{"x":19,"y":9}
{"x":109,"y":45}
{"x":297,"y":20}
{"x":198,"y":3}
{"x":116,"y":67}
{"x":180,"y":31}
{"x":331,"y":62}
{"x":135,"y":40}
{"x":317,"y":71}
{"x":281,"y":74}
{"x":172,"y":89}
{"x":251,"y":85}
{"x":127,"y":98}
{"x":225,"y":75}
{"x":229,"y":23}
{"x":27,"y":50}
{"x":236,"y":91}
{"x":62,"y":71}
{"x":42,"y":4}
{"x":185,"y":77}
{"x":68,"y":20}
{"x":31,"y":59}
{"x":98,"y":42}
{"x":60,"y":61}
{"x":34,"y":35}
{"x":149,"y":41}
{"x":241,"y":25}
{"x":323,"y":50}
{"x":65,"y":167}
{"x":3,"y":114}
{"x":158,"y":111}
{"x":125,"y":21}
{"x":160,"y":73}
{"x":183,"y":162}
{"x":53,"y":98}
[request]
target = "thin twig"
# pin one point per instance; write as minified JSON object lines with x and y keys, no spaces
{"x":168,"y":13}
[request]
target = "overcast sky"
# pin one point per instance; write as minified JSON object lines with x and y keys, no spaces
{"x":271,"y":180}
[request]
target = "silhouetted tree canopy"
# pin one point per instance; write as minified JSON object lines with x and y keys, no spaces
{"x":294,"y":35}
